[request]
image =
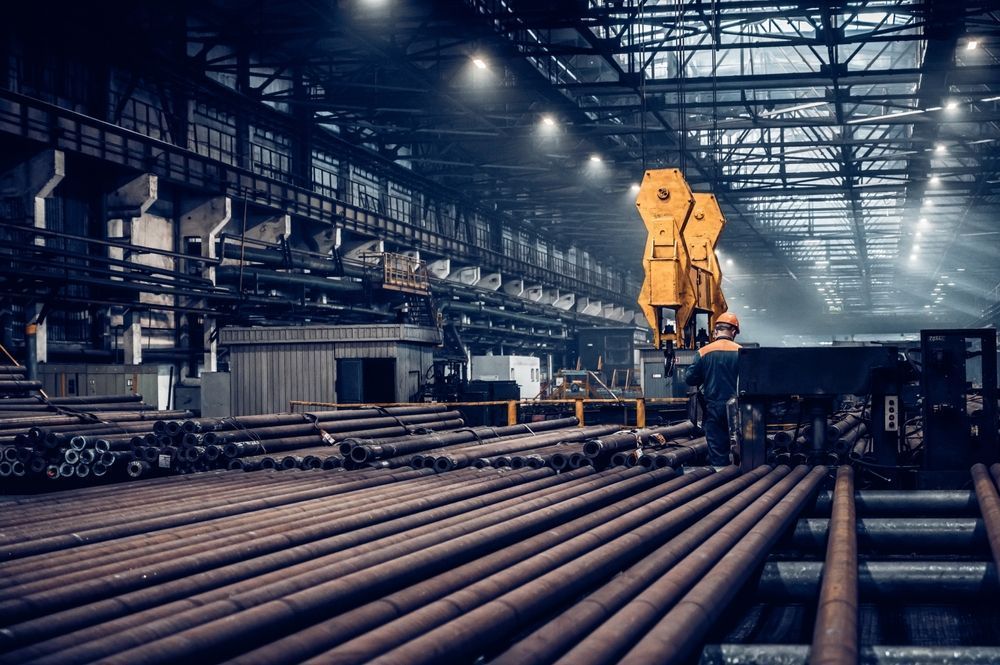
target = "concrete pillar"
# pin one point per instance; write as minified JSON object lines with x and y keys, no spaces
{"x":465,"y":275}
{"x":439,"y":269}
{"x":490,"y":281}
{"x":266,"y":227}
{"x":134,"y":215}
{"x":362,"y":251}
{"x":205,"y":221}
{"x":533,"y":293}
{"x":513,"y":287}
{"x":565,"y":301}
{"x":132,"y":337}
{"x":327,"y":240}
{"x":593,"y":308}
{"x":32,"y":181}
{"x":549,"y":296}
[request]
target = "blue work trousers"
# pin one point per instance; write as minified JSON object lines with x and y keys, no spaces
{"x":717,"y":433}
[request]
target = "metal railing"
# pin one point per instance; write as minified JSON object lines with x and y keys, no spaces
{"x":513,"y":405}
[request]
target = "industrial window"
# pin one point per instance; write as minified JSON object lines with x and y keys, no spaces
{"x":326,"y":174}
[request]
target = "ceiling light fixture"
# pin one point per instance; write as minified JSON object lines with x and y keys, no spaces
{"x":972,"y":45}
{"x":548,"y":121}
{"x":479,"y":63}
{"x":595,"y":158}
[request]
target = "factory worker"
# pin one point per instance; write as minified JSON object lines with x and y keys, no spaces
{"x":714,"y":369}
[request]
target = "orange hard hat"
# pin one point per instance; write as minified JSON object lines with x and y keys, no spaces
{"x":727,"y":317}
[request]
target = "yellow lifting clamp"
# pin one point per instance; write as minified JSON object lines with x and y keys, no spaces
{"x":701,"y":235}
{"x":682,"y":272}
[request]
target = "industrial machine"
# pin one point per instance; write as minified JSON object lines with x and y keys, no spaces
{"x":915,"y":421}
{"x":682,"y":273}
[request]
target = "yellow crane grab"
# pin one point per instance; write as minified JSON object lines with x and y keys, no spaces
{"x":682,"y":273}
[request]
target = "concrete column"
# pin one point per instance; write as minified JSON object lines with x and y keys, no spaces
{"x":593,"y":308}
{"x":32,"y":181}
{"x":490,"y":281}
{"x":327,"y":240}
{"x":513,"y":287}
{"x":533,"y":293}
{"x":565,"y":301}
{"x":465,"y":275}
{"x":135,"y":216}
{"x":439,"y":269}
{"x":262,"y":228}
{"x":132,"y":337}
{"x":362,"y":251}
{"x":205,"y":221}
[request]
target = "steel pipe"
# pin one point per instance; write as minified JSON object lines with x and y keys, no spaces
{"x":835,"y":635}
{"x":637,"y":438}
{"x":675,"y":636}
{"x":578,"y":623}
{"x":138,"y":616}
{"x":955,"y":535}
{"x":916,"y":581}
{"x":518,"y":444}
{"x":794,"y":654}
{"x":490,"y":575}
{"x":367,"y":450}
{"x":466,"y":625}
{"x":905,"y":503}
{"x":345,"y":574}
{"x":989,"y":504}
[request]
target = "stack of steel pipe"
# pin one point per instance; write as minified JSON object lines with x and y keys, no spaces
{"x":283,"y":440}
{"x":367,"y":566}
{"x":414,"y":450}
{"x":845,"y":431}
{"x":462,"y":457}
{"x":14,"y":383}
{"x":61,"y":439}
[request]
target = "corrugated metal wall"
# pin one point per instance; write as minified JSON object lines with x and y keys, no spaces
{"x":412,"y":363}
{"x":266,"y":377}
{"x":272,"y":366}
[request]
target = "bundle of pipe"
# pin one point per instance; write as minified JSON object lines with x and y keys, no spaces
{"x":397,"y":450}
{"x":65,"y":445}
{"x":845,"y":431}
{"x":366,"y":566}
{"x":465,"y":457}
{"x":631,"y":440}
{"x":13,"y":382}
{"x":279,"y":440}
{"x":689,"y":452}
{"x":563,"y":455}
